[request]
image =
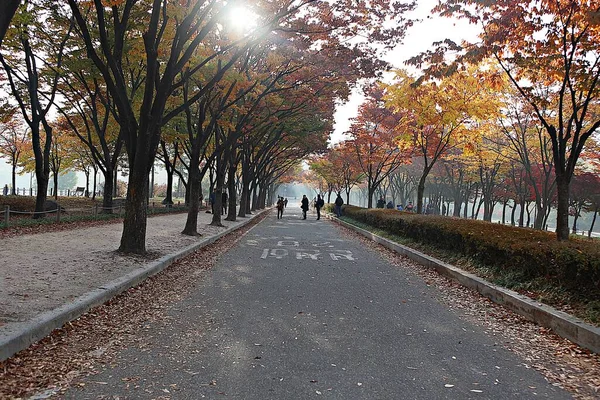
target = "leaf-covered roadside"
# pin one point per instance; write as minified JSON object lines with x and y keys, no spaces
{"x":563,"y":363}
{"x":83,"y":346}
{"x":565,"y":275}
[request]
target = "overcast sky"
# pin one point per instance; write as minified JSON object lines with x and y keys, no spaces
{"x":419,"y":38}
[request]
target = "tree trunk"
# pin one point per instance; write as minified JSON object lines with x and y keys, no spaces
{"x":95,"y":184}
{"x":87,"y":183}
{"x":193,"y":194}
{"x":487,"y":210}
{"x":107,"y":199}
{"x":475,"y":214}
{"x":40,"y":199}
{"x":169,"y":195}
{"x":219,"y":183}
{"x":562,"y":212}
{"x":245,"y":194}
{"x":593,"y":222}
{"x":243,"y":201}
{"x":575,"y":218}
{"x":55,"y":181}
{"x":9,"y":7}
{"x":522,"y":213}
{"x":420,"y":192}
{"x":538,"y":222}
{"x":42,"y":173}
{"x":133,"y":239}
{"x":457,"y":207}
{"x":115,"y":183}
{"x":231,"y":210}
{"x":512,"y":213}
{"x":14,"y":179}
{"x":253,"y":190}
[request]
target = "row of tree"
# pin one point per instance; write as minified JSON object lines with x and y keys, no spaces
{"x":516,"y":113}
{"x":130,"y":82}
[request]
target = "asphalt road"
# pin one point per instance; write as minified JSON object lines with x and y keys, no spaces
{"x":298,"y":311}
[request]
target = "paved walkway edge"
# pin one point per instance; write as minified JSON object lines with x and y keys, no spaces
{"x":561,"y":323}
{"x":41,"y":326}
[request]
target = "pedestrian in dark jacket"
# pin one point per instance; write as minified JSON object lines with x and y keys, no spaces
{"x":339,"y":202}
{"x":304,"y":206}
{"x":224,"y":199}
{"x":213,"y":199}
{"x":318,"y":205}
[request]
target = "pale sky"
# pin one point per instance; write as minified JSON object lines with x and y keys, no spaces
{"x":418,"y":39}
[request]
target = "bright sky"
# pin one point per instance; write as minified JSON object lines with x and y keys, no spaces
{"x":419,"y":38}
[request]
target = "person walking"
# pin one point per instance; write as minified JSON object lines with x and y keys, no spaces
{"x":5,"y":190}
{"x":285,"y":201}
{"x":212,"y":199}
{"x":280,"y":206}
{"x":304,"y":206}
{"x":318,"y":204}
{"x":339,"y":202}
{"x":224,"y":198}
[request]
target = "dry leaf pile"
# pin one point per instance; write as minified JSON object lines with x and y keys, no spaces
{"x":84,"y":345}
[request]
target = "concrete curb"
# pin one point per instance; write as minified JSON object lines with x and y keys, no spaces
{"x":561,"y":323}
{"x":42,"y":325}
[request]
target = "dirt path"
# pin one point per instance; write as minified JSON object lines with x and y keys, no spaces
{"x":43,"y":271}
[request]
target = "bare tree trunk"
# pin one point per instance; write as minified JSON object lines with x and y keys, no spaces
{"x":55,"y":182}
{"x":522,"y":213}
{"x":593,"y":222}
{"x":193,"y":194}
{"x":513,"y":212}
{"x":562,"y":212}
{"x":107,"y":197}
{"x":14,"y":178}
{"x":133,"y":239}
{"x":420,"y":192}
{"x":231,"y":211}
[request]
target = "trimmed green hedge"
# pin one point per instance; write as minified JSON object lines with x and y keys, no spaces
{"x":531,"y":253}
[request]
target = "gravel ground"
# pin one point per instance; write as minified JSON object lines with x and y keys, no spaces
{"x":43,"y":271}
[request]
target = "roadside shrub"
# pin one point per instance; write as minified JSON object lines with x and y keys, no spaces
{"x":530,"y":253}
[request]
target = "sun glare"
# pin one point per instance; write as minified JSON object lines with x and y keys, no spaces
{"x":242,"y":19}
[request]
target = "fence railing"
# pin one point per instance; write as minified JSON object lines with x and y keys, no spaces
{"x":77,"y":192}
